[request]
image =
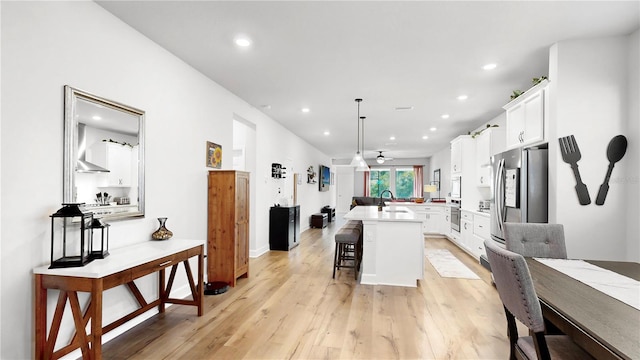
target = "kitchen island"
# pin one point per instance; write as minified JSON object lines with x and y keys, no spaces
{"x":393,"y":245}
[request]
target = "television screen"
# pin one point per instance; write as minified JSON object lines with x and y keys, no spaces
{"x":325,"y":178}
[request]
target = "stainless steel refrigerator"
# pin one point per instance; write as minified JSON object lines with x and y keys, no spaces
{"x":519,"y":188}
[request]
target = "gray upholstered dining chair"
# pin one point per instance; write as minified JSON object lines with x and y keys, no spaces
{"x":535,"y":240}
{"x":518,"y":295}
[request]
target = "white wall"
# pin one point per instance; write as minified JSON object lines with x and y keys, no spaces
{"x":46,"y":45}
{"x":442,"y":160}
{"x":633,"y":153}
{"x":590,"y":99}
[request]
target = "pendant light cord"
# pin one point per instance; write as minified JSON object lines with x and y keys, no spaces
{"x":358,"y":148}
{"x":362,"y":118}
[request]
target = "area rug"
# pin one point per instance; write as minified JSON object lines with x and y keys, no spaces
{"x":449,"y":266}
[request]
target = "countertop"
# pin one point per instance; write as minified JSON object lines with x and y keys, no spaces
{"x":396,"y":213}
{"x":413,"y":204}
{"x":124,"y":258}
{"x":408,"y":203}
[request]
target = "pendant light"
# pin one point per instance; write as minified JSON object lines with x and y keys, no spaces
{"x":362,"y":166}
{"x":357,"y":157}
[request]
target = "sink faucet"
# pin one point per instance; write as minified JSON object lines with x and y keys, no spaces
{"x":380,"y":203}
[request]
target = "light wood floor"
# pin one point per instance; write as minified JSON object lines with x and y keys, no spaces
{"x":291,"y":308}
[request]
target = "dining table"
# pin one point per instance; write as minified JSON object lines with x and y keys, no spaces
{"x":602,"y":325}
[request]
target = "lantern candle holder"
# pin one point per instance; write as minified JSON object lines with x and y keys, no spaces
{"x":70,"y":236}
{"x":99,"y":245}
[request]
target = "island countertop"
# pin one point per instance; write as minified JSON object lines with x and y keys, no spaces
{"x":388,"y":213}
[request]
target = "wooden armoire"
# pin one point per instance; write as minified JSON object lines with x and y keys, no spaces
{"x":228,"y":226}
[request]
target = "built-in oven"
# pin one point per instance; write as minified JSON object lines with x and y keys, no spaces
{"x":455,"y":218}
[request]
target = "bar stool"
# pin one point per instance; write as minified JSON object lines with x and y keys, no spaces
{"x":348,"y":248}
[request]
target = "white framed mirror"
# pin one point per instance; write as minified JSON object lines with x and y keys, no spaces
{"x":103,"y":155}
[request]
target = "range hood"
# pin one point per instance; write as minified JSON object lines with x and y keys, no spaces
{"x":83,"y":165}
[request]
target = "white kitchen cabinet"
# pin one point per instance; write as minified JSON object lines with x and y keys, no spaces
{"x":446,"y":221}
{"x":526,"y":117}
{"x":456,"y":156}
{"x":117,"y":159}
{"x":463,"y":160}
{"x":490,"y":142}
{"x":466,"y":232}
{"x":481,"y":232}
{"x":434,"y":216}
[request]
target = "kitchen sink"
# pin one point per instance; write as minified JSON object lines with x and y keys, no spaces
{"x":396,"y":210}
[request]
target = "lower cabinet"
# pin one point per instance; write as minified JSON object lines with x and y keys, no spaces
{"x":471,"y":229}
{"x":433,"y":222}
{"x":446,"y":222}
{"x":466,"y":232}
{"x":481,"y":232}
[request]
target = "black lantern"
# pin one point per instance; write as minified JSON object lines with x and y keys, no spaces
{"x":70,"y":236}
{"x":99,"y":245}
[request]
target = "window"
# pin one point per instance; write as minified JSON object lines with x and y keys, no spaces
{"x":404,"y":183}
{"x":379,"y":180}
{"x":399,"y":180}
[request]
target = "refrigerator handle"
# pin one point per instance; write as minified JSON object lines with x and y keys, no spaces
{"x":499,"y":194}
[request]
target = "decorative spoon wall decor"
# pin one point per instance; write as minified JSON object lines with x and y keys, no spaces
{"x":615,"y":152}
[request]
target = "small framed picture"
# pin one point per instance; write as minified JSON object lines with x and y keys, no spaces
{"x":214,"y":155}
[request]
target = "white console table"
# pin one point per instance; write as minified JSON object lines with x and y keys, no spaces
{"x":121,"y":267}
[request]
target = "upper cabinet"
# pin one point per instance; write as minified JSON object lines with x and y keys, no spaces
{"x":488,"y":143}
{"x":456,"y":155}
{"x":463,"y":166}
{"x":526,"y":117}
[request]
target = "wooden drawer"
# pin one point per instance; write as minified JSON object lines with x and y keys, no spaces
{"x":156,"y":265}
{"x":466,"y":215}
{"x":481,"y":226}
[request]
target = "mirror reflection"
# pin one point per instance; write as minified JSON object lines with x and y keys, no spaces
{"x":104,"y":155}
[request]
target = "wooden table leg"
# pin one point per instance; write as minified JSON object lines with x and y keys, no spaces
{"x":40,"y":317}
{"x":200,"y":284}
{"x":96,"y":319}
{"x":162,"y":293}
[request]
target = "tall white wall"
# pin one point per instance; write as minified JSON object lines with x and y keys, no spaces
{"x":633,"y":156}
{"x":442,"y":160}
{"x":590,"y":90}
{"x":46,"y":45}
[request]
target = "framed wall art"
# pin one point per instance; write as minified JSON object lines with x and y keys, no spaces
{"x":214,"y":155}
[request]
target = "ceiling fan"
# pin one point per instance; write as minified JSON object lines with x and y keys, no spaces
{"x":380,"y":159}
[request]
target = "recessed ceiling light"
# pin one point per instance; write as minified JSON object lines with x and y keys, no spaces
{"x":445,"y":116}
{"x":463,"y":97}
{"x":305,"y":110}
{"x":327,"y":133}
{"x":433,"y":129}
{"x":392,"y":137}
{"x":243,"y":41}
{"x":489,"y":66}
{"x":96,"y":117}
{"x":404,"y":108}
{"x":425,"y":137}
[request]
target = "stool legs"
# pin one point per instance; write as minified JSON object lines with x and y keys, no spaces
{"x":347,"y":252}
